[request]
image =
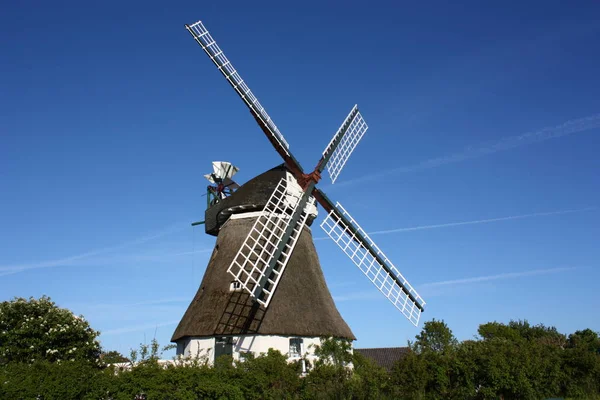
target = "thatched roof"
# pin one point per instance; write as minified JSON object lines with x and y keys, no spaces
{"x":301,"y":304}
{"x":251,"y":196}
{"x":385,"y":357}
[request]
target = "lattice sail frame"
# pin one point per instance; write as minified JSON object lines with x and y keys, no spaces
{"x":393,"y":288}
{"x":252,"y":259}
{"x":208,"y":44}
{"x":352,"y":130}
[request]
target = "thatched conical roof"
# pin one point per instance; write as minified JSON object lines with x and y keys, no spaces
{"x":301,"y":304}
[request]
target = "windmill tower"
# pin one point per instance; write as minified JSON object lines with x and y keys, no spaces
{"x":263,"y":287}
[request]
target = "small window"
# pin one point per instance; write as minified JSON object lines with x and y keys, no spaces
{"x":235,"y":285}
{"x":296,"y":347}
{"x":223,"y":346}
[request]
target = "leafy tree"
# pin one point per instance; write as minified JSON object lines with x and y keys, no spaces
{"x":409,"y":377}
{"x":497,"y":330}
{"x":112,"y":357}
{"x":336,"y":351}
{"x":587,"y":340}
{"x":327,"y":381}
{"x":33,"y":330}
{"x":426,"y":371}
{"x":369,"y":380}
{"x":522,"y":330}
{"x":513,"y":369}
{"x":435,"y":337}
{"x":463,"y":371}
{"x":516,"y":360}
{"x":581,"y":366}
{"x":268,"y":376}
{"x":330,"y":377}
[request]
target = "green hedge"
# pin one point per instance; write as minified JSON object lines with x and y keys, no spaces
{"x":514,"y":361}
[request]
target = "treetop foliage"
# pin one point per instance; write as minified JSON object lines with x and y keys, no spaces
{"x":37,"y":329}
{"x":521,"y":330}
{"x":334,"y":351}
{"x":435,"y":337}
{"x":586,"y":340}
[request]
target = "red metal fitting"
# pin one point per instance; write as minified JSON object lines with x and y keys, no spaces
{"x":306,"y":179}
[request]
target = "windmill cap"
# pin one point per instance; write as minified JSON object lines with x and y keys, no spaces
{"x":251,"y":196}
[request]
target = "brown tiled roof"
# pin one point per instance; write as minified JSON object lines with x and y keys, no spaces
{"x":385,"y":357}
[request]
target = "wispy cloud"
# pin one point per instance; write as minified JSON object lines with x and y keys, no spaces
{"x":135,"y":258}
{"x":487,"y":278}
{"x":159,"y":301}
{"x":511,"y":142}
{"x":375,"y":295}
{"x":474,"y":222}
{"x":71,"y":260}
{"x":481,"y":221}
{"x":185,"y":253}
{"x":359,"y":295}
{"x":135,"y":304}
{"x":340,"y":284}
{"x":137,"y":328}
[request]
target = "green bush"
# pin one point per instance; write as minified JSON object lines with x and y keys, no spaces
{"x":36,"y":330}
{"x":45,"y":380}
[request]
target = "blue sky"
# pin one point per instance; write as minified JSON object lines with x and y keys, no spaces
{"x":479,"y":175}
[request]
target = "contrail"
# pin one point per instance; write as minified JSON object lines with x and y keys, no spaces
{"x":136,"y":328}
{"x":509,"y":275}
{"x":158,"y":302}
{"x":360,"y":295}
{"x":374,"y":295}
{"x":112,"y":307}
{"x":193,"y":252}
{"x":11,"y":269}
{"x":568,"y":128}
{"x":474,"y":222}
{"x":480,"y":221}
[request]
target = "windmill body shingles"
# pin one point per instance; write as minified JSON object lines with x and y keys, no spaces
{"x":301,"y":304}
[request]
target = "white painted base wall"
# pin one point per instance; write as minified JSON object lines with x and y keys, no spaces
{"x":257,"y":344}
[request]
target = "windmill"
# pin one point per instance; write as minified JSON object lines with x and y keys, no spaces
{"x":264,"y":286}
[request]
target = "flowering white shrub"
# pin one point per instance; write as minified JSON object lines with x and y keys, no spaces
{"x":37,"y":329}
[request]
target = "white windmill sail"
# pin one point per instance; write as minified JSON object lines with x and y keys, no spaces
{"x":363,"y":252}
{"x":210,"y":46}
{"x":222,"y":170}
{"x":344,"y":142}
{"x":253,"y":265}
